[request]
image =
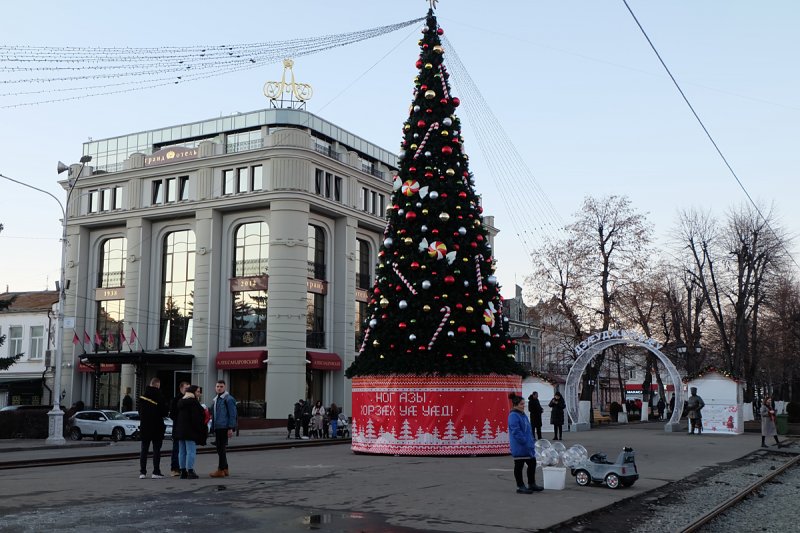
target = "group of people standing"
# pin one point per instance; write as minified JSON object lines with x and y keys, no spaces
{"x":190,"y":427}
{"x":557,"y":406}
{"x":316,"y":421}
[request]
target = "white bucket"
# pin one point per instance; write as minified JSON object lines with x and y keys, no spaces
{"x":554,"y":477}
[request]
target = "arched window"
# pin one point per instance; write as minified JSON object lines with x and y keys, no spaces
{"x":110,"y":295}
{"x":363,"y":264}
{"x":315,"y":298}
{"x":249,"y":287}
{"x":177,"y":289}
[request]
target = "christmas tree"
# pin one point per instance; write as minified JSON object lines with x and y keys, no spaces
{"x":435,"y":308}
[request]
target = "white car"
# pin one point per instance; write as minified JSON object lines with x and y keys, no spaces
{"x":134,"y":415}
{"x":102,"y":423}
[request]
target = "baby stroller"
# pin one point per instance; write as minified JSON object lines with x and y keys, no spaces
{"x":343,"y":427}
{"x":316,"y":427}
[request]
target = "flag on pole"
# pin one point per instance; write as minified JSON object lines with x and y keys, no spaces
{"x":86,"y":339}
{"x":76,"y":339}
{"x":111,"y":342}
{"x":133,"y":337}
{"x":122,"y":337}
{"x":98,"y":340}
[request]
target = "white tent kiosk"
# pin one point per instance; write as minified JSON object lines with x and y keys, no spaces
{"x":723,"y":397}
{"x":546,"y":386}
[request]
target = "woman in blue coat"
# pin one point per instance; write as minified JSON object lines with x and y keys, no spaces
{"x":520,"y":438}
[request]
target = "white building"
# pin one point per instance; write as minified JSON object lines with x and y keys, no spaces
{"x":239,"y":247}
{"x":523,"y":329}
{"x":27,"y":319}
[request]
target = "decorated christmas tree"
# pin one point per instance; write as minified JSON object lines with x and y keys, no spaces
{"x":436,"y":307}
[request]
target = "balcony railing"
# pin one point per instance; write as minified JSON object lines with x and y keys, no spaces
{"x":315,"y":339}
{"x":328,"y":151}
{"x":316,"y":270}
{"x":244,"y":146}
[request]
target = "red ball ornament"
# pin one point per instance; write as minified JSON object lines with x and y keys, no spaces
{"x":462,"y":194}
{"x":398,"y":288}
{"x":462,"y":329}
{"x":435,"y":231}
{"x":429,"y":174}
{"x":377,"y":290}
{"x":479,"y":237}
{"x":440,"y":31}
{"x":450,"y":280}
{"x":456,"y":101}
{"x":411,"y":215}
{"x":459,"y":306}
{"x":474,"y":244}
{"x":449,"y":355}
{"x":420,"y":123}
{"x":456,"y":246}
{"x":443,"y":195}
{"x":414,"y":265}
{"x":422,"y":348}
{"x":423,"y":88}
{"x":418,"y":64}
{"x":384,"y":316}
{"x":443,"y":101}
{"x":402,"y":325}
{"x":412,"y":169}
{"x":447,"y":150}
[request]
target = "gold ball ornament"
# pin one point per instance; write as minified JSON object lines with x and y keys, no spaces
{"x":428,"y":66}
{"x":444,"y":217}
{"x":408,"y":241}
{"x":439,"y":49}
{"x":445,"y":133}
{"x":424,"y":211}
{"x":376,"y":342}
{"x":413,"y":147}
{"x":426,"y":308}
{"x":470,"y":309}
{"x":384,"y":303}
{"x":430,"y":94}
{"x":450,"y":172}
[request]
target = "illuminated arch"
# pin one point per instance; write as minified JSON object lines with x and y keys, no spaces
{"x":588,"y":350}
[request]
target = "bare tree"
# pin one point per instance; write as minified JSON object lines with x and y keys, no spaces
{"x":736,"y":267}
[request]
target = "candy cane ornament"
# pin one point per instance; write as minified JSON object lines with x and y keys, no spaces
{"x":408,"y":285}
{"x":446,"y":311}
{"x":444,"y":81}
{"x":434,"y":127}
{"x":478,"y":260}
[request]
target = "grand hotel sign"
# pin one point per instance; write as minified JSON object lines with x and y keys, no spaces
{"x":174,"y":154}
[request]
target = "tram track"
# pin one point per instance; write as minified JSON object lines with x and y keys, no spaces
{"x":127,"y":456}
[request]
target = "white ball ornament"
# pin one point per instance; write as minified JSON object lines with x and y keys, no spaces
{"x":418,"y":205}
{"x":426,"y":284}
{"x":417,"y":108}
{"x":447,"y":121}
{"x":412,"y":337}
{"x":373,"y":323}
{"x":423,"y":228}
{"x":434,"y":195}
{"x":488,"y":344}
{"x":387,"y":242}
{"x":451,"y":334}
{"x":402,"y":304}
{"x":466,"y":283}
{"x":462,"y":230}
{"x":492,"y":280}
{"x":427,"y":154}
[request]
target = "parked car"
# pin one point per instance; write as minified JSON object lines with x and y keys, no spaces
{"x":598,"y":469}
{"x":134,"y":415}
{"x":102,"y":423}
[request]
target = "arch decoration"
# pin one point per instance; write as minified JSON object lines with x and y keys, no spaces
{"x":588,"y":349}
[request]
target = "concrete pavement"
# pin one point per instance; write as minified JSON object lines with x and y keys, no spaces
{"x":332,"y":489}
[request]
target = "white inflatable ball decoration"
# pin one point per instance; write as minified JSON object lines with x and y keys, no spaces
{"x":559,"y":447}
{"x":549,"y":457}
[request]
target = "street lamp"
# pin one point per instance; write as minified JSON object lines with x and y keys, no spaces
{"x":55,"y":433}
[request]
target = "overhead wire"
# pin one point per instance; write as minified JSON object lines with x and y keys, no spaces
{"x":707,"y":132}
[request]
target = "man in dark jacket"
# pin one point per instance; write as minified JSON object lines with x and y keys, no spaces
{"x":152,"y":410}
{"x":298,"y":417}
{"x":223,"y":422}
{"x":175,"y":469}
{"x":535,"y":409}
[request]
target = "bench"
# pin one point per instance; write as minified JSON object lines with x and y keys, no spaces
{"x":600,"y":417}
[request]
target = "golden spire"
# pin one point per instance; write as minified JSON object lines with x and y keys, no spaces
{"x":298,"y":92}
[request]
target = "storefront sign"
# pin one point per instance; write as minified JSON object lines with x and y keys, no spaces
{"x":362,"y":295}
{"x":109,"y":294}
{"x":318,"y":287}
{"x":415,"y":415}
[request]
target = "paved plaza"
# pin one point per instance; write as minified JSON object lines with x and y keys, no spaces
{"x":329,"y":488}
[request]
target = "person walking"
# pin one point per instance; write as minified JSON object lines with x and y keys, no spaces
{"x":223,"y":422}
{"x":306,"y":417}
{"x":175,"y":469}
{"x":152,"y":410}
{"x":768,"y":427}
{"x":660,"y":408}
{"x":672,"y":405}
{"x":694,"y":406}
{"x":298,"y":417}
{"x":127,"y":401}
{"x":535,"y":409}
{"x":557,"y":406}
{"x":190,"y":431}
{"x":520,"y":440}
{"x":333,"y":415}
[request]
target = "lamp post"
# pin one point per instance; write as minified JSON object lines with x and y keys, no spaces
{"x":55,"y":433}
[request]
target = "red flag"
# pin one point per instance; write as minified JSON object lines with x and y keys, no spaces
{"x":75,"y":339}
{"x":111,"y":341}
{"x":86,"y":339}
{"x":98,"y":339}
{"x":122,"y":336}
{"x":133,"y":336}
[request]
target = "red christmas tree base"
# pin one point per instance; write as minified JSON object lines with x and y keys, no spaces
{"x":441,"y":415}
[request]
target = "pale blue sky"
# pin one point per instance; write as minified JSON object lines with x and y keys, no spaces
{"x":573,"y":83}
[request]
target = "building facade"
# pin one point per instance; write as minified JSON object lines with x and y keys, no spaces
{"x":523,"y":328}
{"x":28,"y":321}
{"x":238,"y":248}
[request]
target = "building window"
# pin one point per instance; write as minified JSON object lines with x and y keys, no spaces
{"x":337,"y":188}
{"x":112,"y":263}
{"x":228,"y":182}
{"x":242,"y":179}
{"x":170,"y":190}
{"x":381,"y":205}
{"x":110,"y":323}
{"x":249,"y":307}
{"x":316,"y":252}
{"x":251,"y":253}
{"x":361,"y":316}
{"x":258,"y":178}
{"x":37,"y":342}
{"x":315,"y":320}
{"x":328,"y":185}
{"x":365,"y":199}
{"x":319,"y":179}
{"x":177,"y":290}
{"x":14,"y":340}
{"x":108,"y":199}
{"x":363,"y":264}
